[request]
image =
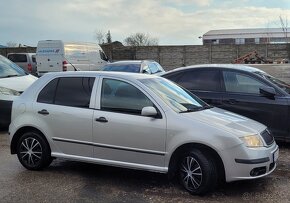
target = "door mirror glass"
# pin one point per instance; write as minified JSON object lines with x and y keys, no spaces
{"x":267,"y":91}
{"x":149,"y":111}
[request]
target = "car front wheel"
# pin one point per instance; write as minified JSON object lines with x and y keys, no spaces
{"x":197,"y":172}
{"x":33,"y":151}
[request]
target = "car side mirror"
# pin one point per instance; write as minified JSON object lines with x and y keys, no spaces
{"x":268,"y":92}
{"x":149,"y":111}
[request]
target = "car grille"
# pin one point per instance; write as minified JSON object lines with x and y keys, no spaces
{"x":267,"y":136}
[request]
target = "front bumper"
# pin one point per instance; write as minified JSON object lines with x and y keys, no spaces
{"x":5,"y":113}
{"x":243,"y":163}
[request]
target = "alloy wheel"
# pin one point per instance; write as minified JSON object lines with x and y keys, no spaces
{"x":191,"y":173}
{"x":30,"y":151}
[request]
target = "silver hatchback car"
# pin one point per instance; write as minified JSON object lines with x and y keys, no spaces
{"x":137,"y":121}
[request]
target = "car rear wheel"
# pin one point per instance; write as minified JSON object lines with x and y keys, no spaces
{"x":33,"y":151}
{"x":197,"y":172}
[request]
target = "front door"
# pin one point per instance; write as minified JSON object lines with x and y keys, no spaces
{"x":243,"y":97}
{"x":120,"y":133}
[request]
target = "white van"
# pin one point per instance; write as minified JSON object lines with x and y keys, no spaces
{"x":56,"y":55}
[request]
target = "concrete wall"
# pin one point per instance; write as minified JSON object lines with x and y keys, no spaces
{"x":171,"y":57}
{"x":5,"y":51}
{"x":176,"y":56}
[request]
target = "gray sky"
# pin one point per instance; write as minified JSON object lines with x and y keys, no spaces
{"x":173,"y":22}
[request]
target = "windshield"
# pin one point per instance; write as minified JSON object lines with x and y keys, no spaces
{"x":9,"y":69}
{"x":174,"y":96}
{"x":133,"y":68}
{"x":283,"y":85}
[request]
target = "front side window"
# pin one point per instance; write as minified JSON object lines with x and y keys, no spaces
{"x":70,"y":91}
{"x":119,"y":96}
{"x":103,"y":56}
{"x":204,"y":80}
{"x":155,"y":68}
{"x":283,"y":85}
{"x":9,"y":69}
{"x":241,"y":83}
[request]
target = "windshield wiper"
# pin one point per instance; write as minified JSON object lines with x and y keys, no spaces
{"x":9,"y":76}
{"x":192,"y":109}
{"x":197,"y":109}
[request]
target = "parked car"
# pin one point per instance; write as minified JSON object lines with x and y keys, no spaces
{"x":241,"y":89}
{"x":135,"y":66}
{"x":13,"y":81}
{"x":137,"y":121}
{"x":26,"y":61}
{"x":56,"y":55}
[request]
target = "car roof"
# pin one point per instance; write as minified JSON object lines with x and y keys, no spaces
{"x":130,"y":62}
{"x":22,"y":53}
{"x":220,"y":66}
{"x":124,"y":75}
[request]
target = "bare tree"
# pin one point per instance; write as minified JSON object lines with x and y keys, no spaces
{"x":141,"y":39}
{"x":11,"y":44}
{"x":100,"y":36}
{"x":284,"y":26}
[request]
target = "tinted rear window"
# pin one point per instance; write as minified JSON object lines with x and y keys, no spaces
{"x":70,"y":91}
{"x":206,"y":80}
{"x":33,"y":58}
{"x":18,"y":58}
{"x":46,"y":95}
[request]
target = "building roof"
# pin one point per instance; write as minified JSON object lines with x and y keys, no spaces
{"x":245,"y":33}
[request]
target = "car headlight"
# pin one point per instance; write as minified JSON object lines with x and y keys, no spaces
{"x":6,"y":91}
{"x":252,"y":141}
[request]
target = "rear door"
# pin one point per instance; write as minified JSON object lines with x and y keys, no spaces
{"x":64,"y":105}
{"x":49,"y":56}
{"x":203,"y":82}
{"x":242,"y":96}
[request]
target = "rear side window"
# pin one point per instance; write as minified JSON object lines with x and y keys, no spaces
{"x":70,"y":91}
{"x":33,"y":58}
{"x":18,"y":58}
{"x":204,"y":80}
{"x":46,"y":95}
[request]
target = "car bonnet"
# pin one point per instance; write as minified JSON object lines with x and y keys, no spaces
{"x":224,"y":120}
{"x":17,"y":83}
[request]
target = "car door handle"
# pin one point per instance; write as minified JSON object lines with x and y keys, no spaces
{"x":101,"y":119}
{"x":231,"y":101}
{"x":43,"y":112}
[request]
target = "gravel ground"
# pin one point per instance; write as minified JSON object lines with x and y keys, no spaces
{"x":69,"y":181}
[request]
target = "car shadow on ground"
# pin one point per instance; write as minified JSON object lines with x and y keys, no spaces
{"x":106,"y":178}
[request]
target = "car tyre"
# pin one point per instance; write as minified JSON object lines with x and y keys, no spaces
{"x":197,"y":172}
{"x":33,"y":151}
